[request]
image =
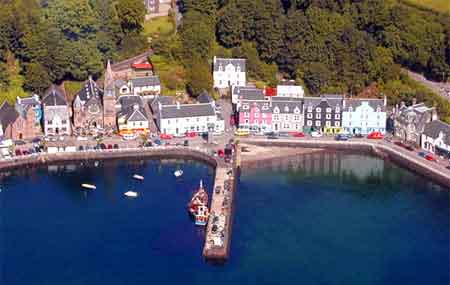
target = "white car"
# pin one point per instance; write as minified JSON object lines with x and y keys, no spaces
{"x":129,"y":137}
{"x":316,"y":134}
{"x":79,"y":138}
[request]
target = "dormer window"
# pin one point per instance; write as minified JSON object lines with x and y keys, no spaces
{"x":220,"y":68}
{"x":297,"y":110}
{"x":245,"y":106}
{"x":265,"y":107}
{"x":256,"y":110}
{"x":238,"y":69}
{"x":286,"y":109}
{"x":276,"y":110}
{"x":338,"y":109}
{"x":328,"y":110}
{"x":310,"y":108}
{"x":378,"y":109}
{"x":318,"y":110}
{"x":350,"y":109}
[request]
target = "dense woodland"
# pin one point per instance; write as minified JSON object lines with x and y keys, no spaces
{"x":339,"y":46}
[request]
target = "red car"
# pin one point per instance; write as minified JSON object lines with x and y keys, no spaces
{"x":430,"y":157}
{"x":220,"y":153}
{"x":375,"y":136}
{"x":191,"y":135}
{"x":165,"y":136}
{"x":298,"y":135}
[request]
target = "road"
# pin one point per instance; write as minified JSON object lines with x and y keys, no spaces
{"x":443,"y":89}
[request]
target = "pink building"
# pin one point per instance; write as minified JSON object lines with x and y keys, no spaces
{"x":256,"y":116}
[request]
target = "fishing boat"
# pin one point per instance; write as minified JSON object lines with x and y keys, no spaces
{"x":138,"y":177}
{"x":201,"y":215}
{"x":131,"y":194}
{"x":178,"y":173}
{"x":88,"y":186}
{"x":198,"y":206}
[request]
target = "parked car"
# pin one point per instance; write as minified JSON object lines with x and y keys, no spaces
{"x":25,"y":152}
{"x":102,"y":146}
{"x":110,"y":146}
{"x":157,"y":142}
{"x":272,"y":137}
{"x":148,"y":144}
{"x":375,"y":136}
{"x":409,"y":147}
{"x":218,"y":189}
{"x":430,"y":157}
{"x":18,"y":152}
{"x":283,"y":134}
{"x":358,"y":136}
{"x":19,"y":142}
{"x":422,"y":153}
{"x":165,"y":136}
{"x":342,"y":137}
{"x":80,"y":138}
{"x":241,"y":132}
{"x":186,"y":143}
{"x":191,"y":134}
{"x":116,"y":146}
{"x":448,"y":167}
{"x":245,"y":149}
{"x":316,"y":134}
{"x":298,"y":135}
{"x":220,"y":153}
{"x":399,"y":144}
{"x":129,"y":137}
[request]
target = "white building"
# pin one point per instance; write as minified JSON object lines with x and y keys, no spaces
{"x":363,"y":116}
{"x":229,"y":72}
{"x":287,"y":114}
{"x":56,"y":113}
{"x":436,"y":138}
{"x":132,"y":118}
{"x":149,"y":85}
{"x":288,"y":89}
{"x":179,"y":119}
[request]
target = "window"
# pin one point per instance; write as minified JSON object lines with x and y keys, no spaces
{"x":309,"y":123}
{"x":286,"y":109}
{"x":309,"y":109}
{"x":275,"y":117}
{"x":309,"y":115}
{"x":49,"y":122}
{"x":318,"y":116}
{"x":328,"y":116}
{"x":168,"y":122}
{"x":350,"y":109}
{"x":328,"y":123}
{"x":263,"y":115}
{"x":245,"y":106}
{"x":296,"y":118}
{"x":286,"y":117}
{"x":256,"y":115}
{"x":220,"y":82}
{"x":198,"y":119}
{"x":318,"y":123}
{"x":246,"y":114}
{"x":141,"y":124}
{"x":246,"y":121}
{"x":276,"y":110}
{"x":297,"y":110}
{"x":338,"y":116}
{"x":318,"y":110}
{"x":237,"y":82}
{"x":63,"y":122}
{"x":339,"y":109}
{"x":328,"y":110}
{"x":187,"y":120}
{"x":338,"y":124}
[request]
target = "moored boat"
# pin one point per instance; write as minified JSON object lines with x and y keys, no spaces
{"x":138,"y":177}
{"x":131,"y":194}
{"x":88,"y":186}
{"x":201,"y":215}
{"x":198,"y":206}
{"x":178,"y":173}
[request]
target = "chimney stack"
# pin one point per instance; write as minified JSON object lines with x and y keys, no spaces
{"x":178,"y":105}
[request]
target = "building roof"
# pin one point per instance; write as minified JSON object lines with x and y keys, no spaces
{"x":144,"y":65}
{"x":434,"y":128}
{"x":54,"y":97}
{"x":248,"y":93}
{"x":204,"y":97}
{"x":8,"y":115}
{"x":130,"y":100}
{"x":263,"y":106}
{"x":25,"y":103}
{"x":330,"y":99}
{"x":373,"y":103}
{"x":287,"y":107}
{"x":132,"y":108}
{"x":145,"y":81}
{"x":186,"y":110}
{"x":89,"y":90}
{"x":225,"y":61}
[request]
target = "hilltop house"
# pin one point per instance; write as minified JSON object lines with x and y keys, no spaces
{"x":410,"y":122}
{"x":289,"y":89}
{"x":132,"y":118}
{"x":436,"y":138}
{"x":228,"y":72}
{"x":56,"y":113}
{"x":323,"y":113}
{"x":87,"y":107}
{"x":179,"y":119}
{"x":363,"y":116}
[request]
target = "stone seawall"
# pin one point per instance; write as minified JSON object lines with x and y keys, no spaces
{"x":382,"y":149}
{"x":156,"y":152}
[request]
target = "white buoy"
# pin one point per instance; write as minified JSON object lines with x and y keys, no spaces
{"x":178,"y":173}
{"x":88,"y":186}
{"x":131,"y":194}
{"x":138,"y":177}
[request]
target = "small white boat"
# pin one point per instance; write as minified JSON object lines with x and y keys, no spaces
{"x":88,"y":186}
{"x":131,"y":194}
{"x":178,"y":173}
{"x":138,"y":177}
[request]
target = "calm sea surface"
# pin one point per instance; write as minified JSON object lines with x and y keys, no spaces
{"x":319,"y":219}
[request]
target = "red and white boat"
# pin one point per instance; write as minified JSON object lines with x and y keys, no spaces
{"x":198,"y":206}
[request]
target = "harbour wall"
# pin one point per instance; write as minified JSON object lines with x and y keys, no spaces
{"x":166,"y":152}
{"x":381,"y":149}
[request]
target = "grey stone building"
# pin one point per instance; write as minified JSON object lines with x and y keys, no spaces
{"x":323,"y":113}
{"x":56,"y":113}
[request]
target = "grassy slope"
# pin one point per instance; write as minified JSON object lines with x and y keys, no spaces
{"x":437,"y":5}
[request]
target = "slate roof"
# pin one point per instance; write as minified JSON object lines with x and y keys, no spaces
{"x":259,"y":104}
{"x":248,"y":93}
{"x":23,"y":104}
{"x":291,"y":105}
{"x":54,"y":97}
{"x":145,"y":81}
{"x":164,"y":100}
{"x":8,"y":115}
{"x":225,"y":61}
{"x":186,"y":110}
{"x":434,"y":128}
{"x":89,"y":90}
{"x":331,"y":100}
{"x":128,"y":109}
{"x":374,"y":103}
{"x":204,"y":97}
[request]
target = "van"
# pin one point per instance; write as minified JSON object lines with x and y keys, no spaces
{"x":241,"y":132}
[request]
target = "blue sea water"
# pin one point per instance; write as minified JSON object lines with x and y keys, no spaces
{"x":320,"y":219}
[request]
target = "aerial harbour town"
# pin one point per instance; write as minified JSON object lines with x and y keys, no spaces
{"x":251,"y":141}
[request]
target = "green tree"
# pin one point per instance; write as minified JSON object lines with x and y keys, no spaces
{"x":131,"y":14}
{"x":230,"y":29}
{"x":36,"y":78}
{"x":198,"y":76}
{"x":197,"y":36}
